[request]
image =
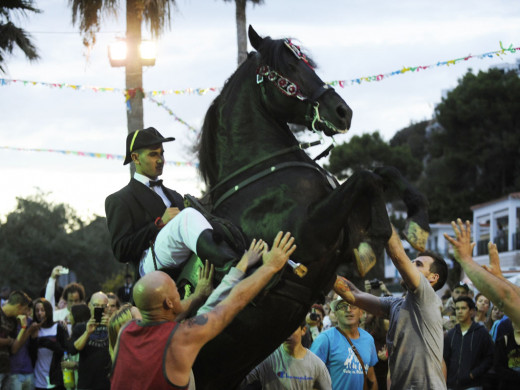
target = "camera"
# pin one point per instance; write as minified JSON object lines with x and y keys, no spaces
{"x":98,"y":314}
{"x":64,"y":271}
{"x":375,"y":283}
{"x":314,"y":316}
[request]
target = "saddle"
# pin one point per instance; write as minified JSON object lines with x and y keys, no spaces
{"x":223,"y":229}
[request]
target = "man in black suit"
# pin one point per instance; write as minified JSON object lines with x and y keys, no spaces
{"x":148,"y":223}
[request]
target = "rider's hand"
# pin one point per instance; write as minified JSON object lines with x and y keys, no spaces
{"x":169,"y":214}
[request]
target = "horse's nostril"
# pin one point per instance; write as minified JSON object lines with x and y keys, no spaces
{"x":342,"y":113}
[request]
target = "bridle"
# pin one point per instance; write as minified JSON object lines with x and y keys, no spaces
{"x":291,"y":89}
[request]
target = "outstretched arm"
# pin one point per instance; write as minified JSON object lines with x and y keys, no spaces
{"x":501,"y":293}
{"x":407,"y":270}
{"x":195,"y":332}
{"x":350,"y":293}
{"x":203,"y":290}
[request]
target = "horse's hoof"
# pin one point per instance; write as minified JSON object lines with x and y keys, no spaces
{"x":415,"y":235}
{"x":365,"y":258}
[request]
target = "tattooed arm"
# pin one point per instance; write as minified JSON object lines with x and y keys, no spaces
{"x":193,"y":333}
{"x":350,"y":293}
{"x":491,"y":285}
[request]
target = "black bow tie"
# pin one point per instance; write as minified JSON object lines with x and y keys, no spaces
{"x":154,"y":183}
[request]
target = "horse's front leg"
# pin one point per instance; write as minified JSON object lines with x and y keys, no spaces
{"x":417,"y":227}
{"x":357,"y":206}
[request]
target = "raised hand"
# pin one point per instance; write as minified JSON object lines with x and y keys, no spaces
{"x":283,"y":248}
{"x":205,"y":281}
{"x":462,"y":242}
{"x":252,"y":255}
{"x":494,"y":261}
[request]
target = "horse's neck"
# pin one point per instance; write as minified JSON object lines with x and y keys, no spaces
{"x":249,"y":134}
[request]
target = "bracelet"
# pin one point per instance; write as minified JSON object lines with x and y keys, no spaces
{"x":159,"y":222}
{"x":24,"y":327}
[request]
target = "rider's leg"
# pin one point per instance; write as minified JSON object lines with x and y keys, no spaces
{"x":188,"y":232}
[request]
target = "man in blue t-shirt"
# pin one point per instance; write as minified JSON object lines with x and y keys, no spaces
{"x":333,"y":348}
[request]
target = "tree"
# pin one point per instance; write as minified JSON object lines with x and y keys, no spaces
{"x":474,"y":155}
{"x":11,"y":35}
{"x":240,"y":16}
{"x":38,"y":235}
{"x":156,"y":13}
{"x":369,"y":151}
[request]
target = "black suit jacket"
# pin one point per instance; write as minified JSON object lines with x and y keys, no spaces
{"x":131,"y":213}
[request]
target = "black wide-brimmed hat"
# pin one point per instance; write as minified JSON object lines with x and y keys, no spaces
{"x":139,"y":139}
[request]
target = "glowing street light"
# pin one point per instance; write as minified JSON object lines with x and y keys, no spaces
{"x":117,"y":53}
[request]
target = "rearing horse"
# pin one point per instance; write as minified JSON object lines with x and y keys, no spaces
{"x":261,"y":180}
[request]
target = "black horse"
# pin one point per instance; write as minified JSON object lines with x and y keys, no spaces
{"x":261,"y":180}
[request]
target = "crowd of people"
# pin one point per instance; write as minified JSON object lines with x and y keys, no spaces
{"x":145,"y":336}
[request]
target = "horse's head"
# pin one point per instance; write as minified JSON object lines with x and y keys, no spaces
{"x":294,"y":91}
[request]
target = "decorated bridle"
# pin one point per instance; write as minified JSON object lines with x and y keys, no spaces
{"x":291,"y":89}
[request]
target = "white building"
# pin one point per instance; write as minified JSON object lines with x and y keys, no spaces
{"x":498,"y":221}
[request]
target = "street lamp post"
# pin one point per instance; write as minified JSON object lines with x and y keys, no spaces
{"x":132,"y":48}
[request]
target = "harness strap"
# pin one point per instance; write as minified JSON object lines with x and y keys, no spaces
{"x":261,"y":160}
{"x":261,"y":174}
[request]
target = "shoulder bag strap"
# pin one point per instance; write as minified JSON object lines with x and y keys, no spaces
{"x":355,"y":351}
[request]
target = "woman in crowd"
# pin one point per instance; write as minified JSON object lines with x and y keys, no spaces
{"x":50,"y":342}
{"x":496,"y":317}
{"x":483,"y":315}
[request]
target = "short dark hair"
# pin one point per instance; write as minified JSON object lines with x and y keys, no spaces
{"x":72,"y":288}
{"x":111,"y":295}
{"x":438,"y":267}
{"x":19,"y":297}
{"x":49,"y":321}
{"x":80,"y":313}
{"x":468,"y":300}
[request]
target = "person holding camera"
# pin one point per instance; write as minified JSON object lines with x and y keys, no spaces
{"x":90,"y":339}
{"x":73,"y":293}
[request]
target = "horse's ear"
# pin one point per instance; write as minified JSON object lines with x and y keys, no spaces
{"x":254,"y":38}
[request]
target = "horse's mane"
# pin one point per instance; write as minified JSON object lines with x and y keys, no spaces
{"x":270,"y":53}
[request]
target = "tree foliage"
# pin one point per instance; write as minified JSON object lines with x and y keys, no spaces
{"x":11,"y":35}
{"x":155,"y":13}
{"x":370,"y":151}
{"x":38,"y":235}
{"x":474,"y":155}
{"x":468,"y":154}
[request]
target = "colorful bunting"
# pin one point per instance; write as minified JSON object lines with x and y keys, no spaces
{"x":202,"y":91}
{"x":107,"y":156}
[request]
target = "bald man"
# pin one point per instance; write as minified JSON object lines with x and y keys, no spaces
{"x":158,"y":352}
{"x":91,"y":341}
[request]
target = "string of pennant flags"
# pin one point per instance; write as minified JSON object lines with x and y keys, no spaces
{"x":107,"y":156}
{"x":151,"y":95}
{"x":203,"y":91}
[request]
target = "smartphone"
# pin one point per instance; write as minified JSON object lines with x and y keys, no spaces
{"x":98,"y":314}
{"x":64,"y":271}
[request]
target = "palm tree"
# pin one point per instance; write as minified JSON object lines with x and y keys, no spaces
{"x":240,"y":15}
{"x":156,"y":13}
{"x":11,"y":35}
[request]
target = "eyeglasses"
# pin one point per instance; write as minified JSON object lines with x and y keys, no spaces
{"x":344,"y":306}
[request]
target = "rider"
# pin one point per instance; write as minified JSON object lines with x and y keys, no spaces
{"x":148,"y":223}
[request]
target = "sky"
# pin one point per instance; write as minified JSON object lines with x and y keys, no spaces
{"x":349,"y":39}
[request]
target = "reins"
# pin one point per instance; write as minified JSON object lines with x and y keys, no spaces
{"x":252,"y":164}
